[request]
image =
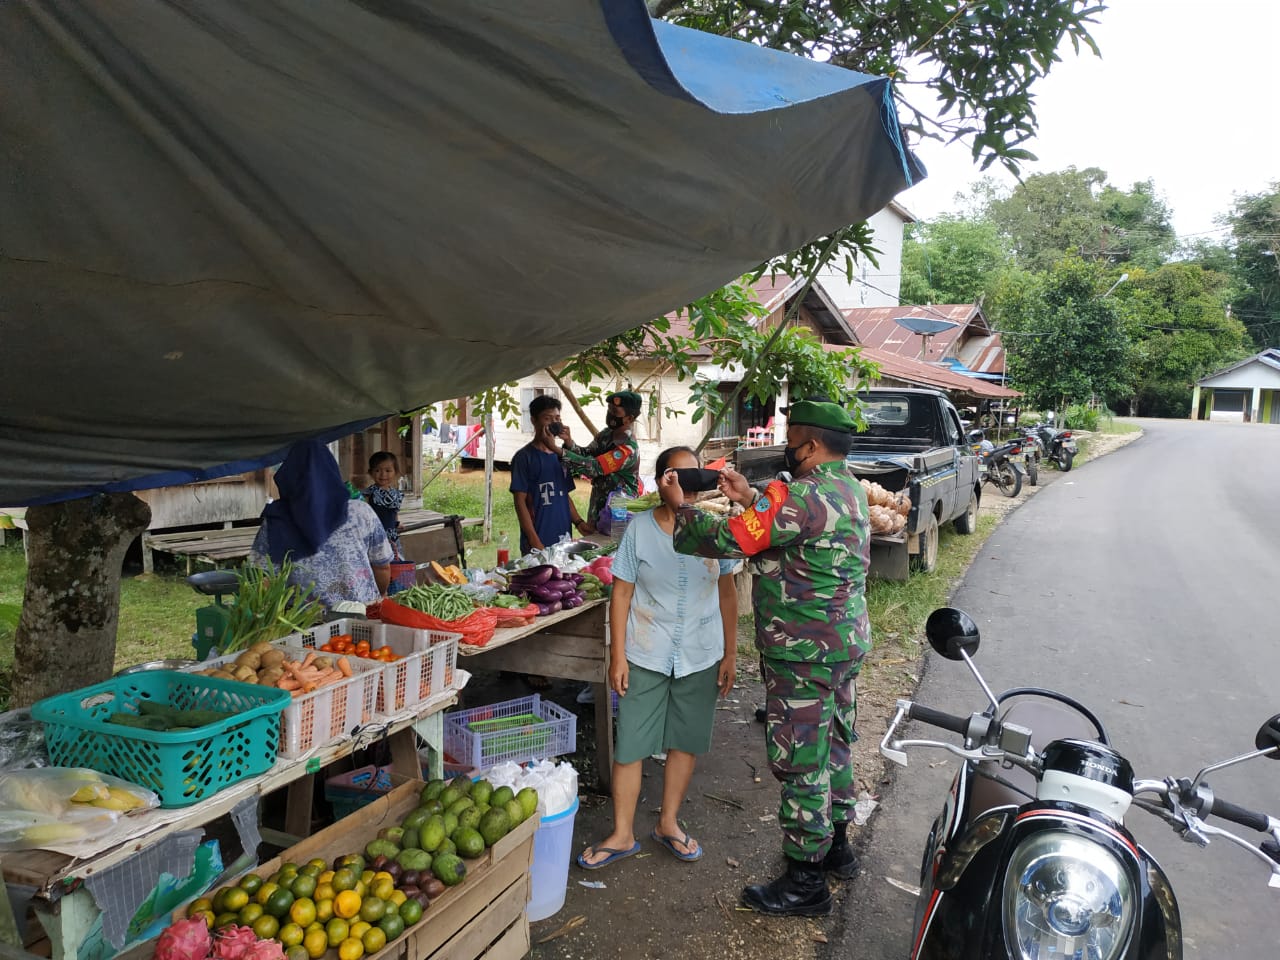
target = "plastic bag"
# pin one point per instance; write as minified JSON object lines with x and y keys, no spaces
{"x":556,"y":783}
{"x":21,"y":741}
{"x":61,"y":805}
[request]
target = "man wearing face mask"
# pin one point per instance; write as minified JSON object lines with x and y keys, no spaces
{"x":808,"y":542}
{"x":612,"y":460}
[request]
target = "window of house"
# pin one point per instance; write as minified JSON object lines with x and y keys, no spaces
{"x":527,"y":395}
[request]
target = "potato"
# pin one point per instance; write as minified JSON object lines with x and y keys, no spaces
{"x":271,"y":658}
{"x":261,"y":647}
{"x":323,"y":663}
{"x":270,"y":676}
{"x":222,"y":674}
{"x":244,"y":673}
{"x":249,"y":659}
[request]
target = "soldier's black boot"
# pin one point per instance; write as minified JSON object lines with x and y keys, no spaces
{"x":840,"y":861}
{"x":800,"y":892}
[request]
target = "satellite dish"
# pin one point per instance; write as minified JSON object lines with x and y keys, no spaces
{"x":925,"y":326}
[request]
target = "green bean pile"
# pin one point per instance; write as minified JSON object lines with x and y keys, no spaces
{"x":437,"y":600}
{"x":507,"y":601}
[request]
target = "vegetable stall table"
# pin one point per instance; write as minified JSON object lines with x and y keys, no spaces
{"x":570,"y":645}
{"x":69,"y":912}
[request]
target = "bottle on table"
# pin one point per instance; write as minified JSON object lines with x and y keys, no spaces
{"x":504,"y":549}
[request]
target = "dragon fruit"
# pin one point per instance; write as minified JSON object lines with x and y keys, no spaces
{"x":235,"y":943}
{"x":184,"y":940}
{"x":266,"y":950}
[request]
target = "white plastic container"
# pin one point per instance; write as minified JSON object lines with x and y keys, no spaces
{"x":549,"y":876}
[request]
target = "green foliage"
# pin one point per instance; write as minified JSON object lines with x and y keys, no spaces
{"x":1080,"y":416}
{"x":951,"y":260}
{"x":1065,"y":341}
{"x":1255,"y":236}
{"x":1073,"y":212}
{"x":981,"y":60}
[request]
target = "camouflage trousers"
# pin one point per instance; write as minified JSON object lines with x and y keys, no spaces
{"x":810,"y":710}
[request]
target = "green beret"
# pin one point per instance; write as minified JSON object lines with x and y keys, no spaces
{"x":812,"y":413}
{"x":629,"y":400}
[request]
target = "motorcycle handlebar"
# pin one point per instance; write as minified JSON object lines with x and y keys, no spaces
{"x":937,"y":718}
{"x":1241,"y":815}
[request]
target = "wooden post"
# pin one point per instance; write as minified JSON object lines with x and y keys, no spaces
{"x":489,"y":453}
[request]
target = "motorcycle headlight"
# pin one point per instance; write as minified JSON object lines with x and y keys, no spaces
{"x":1067,"y":898}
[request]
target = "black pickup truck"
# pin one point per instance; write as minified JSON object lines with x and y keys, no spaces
{"x":914,"y":441}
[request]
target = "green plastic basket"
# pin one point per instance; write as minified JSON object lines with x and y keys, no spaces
{"x":182,"y":767}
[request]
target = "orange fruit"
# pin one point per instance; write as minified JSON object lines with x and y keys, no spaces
{"x":250,"y":912}
{"x":205,"y":915}
{"x":372,"y":909}
{"x":317,"y":943}
{"x":350,"y":949}
{"x":290,"y":935}
{"x":324,"y":891}
{"x":204,"y":904}
{"x":324,"y":910}
{"x":346,"y":904}
{"x":373,"y":940}
{"x":303,"y":912}
{"x":336,"y":930}
{"x":266,"y":927}
{"x":398,"y":897}
{"x":235,"y":899}
{"x":264,"y":893}
{"x":383,"y":889}
{"x":344,"y":879}
{"x":358,"y":929}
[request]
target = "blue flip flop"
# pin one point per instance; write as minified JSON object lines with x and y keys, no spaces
{"x":613,"y":855}
{"x":670,"y":844}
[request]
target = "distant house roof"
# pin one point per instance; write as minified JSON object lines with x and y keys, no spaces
{"x":906,"y":215}
{"x":896,"y":367}
{"x":876,"y":328}
{"x":774,"y":293}
{"x":1270,"y":357}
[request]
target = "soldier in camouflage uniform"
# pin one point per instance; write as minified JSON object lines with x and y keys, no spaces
{"x":612,"y":460}
{"x":808,"y":542}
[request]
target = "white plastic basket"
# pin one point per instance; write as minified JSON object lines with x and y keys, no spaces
{"x":314,"y":719}
{"x":425,"y":668}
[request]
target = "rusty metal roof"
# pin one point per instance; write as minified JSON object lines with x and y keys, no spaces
{"x":918,"y":372}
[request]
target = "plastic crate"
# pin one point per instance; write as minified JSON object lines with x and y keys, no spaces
{"x":184,"y":767}
{"x":314,"y":719}
{"x":519,"y":730}
{"x":348,"y":792}
{"x":428,"y":658}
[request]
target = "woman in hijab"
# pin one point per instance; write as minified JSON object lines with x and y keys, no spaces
{"x":337,"y":545}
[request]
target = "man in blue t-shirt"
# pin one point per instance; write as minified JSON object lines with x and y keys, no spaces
{"x":540,"y":483}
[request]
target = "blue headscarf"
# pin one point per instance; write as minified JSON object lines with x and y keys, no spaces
{"x":313,"y":502}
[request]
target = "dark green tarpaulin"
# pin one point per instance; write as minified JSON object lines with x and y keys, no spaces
{"x":224,"y":226}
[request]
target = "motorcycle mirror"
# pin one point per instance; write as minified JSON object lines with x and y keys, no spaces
{"x":952,"y":632}
{"x":1268,"y":737}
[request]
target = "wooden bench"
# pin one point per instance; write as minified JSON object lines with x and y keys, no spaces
{"x":217,"y":546}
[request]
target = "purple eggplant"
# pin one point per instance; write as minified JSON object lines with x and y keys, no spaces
{"x":558,"y":583}
{"x":572,"y":603}
{"x":535,"y":575}
{"x":542,"y":594}
{"x":544,"y":609}
{"x":557,"y":607}
{"x":576,"y":578}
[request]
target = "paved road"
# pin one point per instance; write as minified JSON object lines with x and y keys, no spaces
{"x":1146,"y":584}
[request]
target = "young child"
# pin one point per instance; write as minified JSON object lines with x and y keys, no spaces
{"x":384,"y":495}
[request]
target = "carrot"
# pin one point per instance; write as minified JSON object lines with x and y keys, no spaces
{"x":310,"y":658}
{"x":332,"y":676}
{"x":287,"y":683}
{"x":344,"y":666}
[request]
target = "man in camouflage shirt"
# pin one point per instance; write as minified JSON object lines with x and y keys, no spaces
{"x":808,"y":543}
{"x":612,"y":460}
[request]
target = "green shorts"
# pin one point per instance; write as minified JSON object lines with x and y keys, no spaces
{"x":661,"y":713}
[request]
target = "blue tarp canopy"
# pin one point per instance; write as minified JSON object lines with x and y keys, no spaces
{"x":225,"y":226}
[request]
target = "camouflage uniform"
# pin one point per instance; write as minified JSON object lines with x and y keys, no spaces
{"x":808,"y":542}
{"x":609,"y":465}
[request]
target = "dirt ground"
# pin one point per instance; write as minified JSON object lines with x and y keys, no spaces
{"x":653,"y":906}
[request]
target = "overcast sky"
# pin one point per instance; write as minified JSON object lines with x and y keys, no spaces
{"x":1187,"y":93}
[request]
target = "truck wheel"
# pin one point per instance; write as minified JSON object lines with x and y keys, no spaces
{"x":967,"y":522}
{"x":926,"y":561}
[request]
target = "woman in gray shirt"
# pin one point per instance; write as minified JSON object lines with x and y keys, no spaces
{"x":674,"y":647}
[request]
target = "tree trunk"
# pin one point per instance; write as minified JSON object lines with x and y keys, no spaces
{"x":572,"y":400}
{"x":67,"y":634}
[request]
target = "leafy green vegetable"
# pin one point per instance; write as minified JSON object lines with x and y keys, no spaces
{"x":268,"y":607}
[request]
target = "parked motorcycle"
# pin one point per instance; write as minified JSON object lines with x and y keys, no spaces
{"x":1032,"y":454}
{"x":1030,"y":857}
{"x":1059,"y":446}
{"x":998,"y":467}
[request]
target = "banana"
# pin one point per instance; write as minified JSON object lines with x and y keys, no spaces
{"x":130,"y":800}
{"x":90,"y":792}
{"x":44,"y":833}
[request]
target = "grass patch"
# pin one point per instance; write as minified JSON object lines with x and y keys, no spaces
{"x":463,"y":494}
{"x":1112,"y":425}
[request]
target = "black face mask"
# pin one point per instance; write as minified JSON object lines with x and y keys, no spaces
{"x":612,"y":422}
{"x":793,"y":461}
{"x":697,"y":480}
